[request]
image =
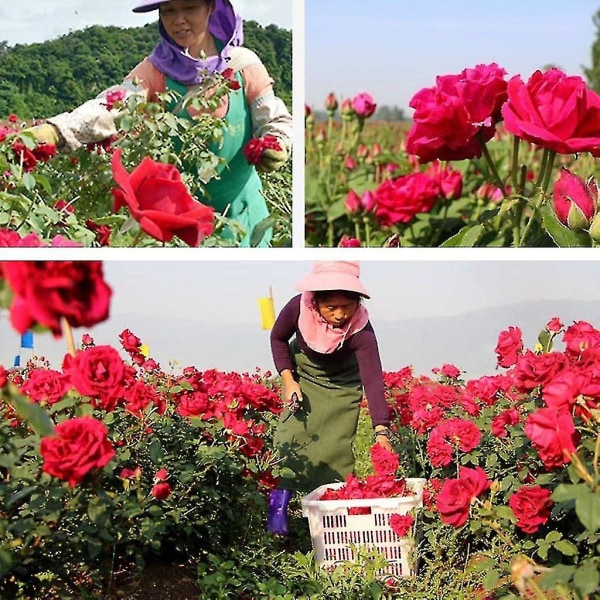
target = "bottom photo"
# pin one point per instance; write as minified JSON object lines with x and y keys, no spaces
{"x":293,"y":429}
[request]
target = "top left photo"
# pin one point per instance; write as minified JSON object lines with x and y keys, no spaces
{"x":146,"y":124}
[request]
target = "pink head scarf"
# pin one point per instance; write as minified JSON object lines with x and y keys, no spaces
{"x":318,"y":334}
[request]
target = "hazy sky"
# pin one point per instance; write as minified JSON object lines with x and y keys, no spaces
{"x":209,"y":301}
{"x":32,"y":21}
{"x":393,"y":48}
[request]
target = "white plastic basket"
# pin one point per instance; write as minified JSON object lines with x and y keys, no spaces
{"x":333,"y":530}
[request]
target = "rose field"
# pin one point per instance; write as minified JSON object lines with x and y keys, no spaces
{"x":120,"y":478}
{"x":106,"y":194}
{"x":487,"y":160}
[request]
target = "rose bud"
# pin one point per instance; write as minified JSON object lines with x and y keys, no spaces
{"x":574,"y":200}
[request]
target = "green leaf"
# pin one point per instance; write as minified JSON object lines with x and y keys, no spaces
{"x":467,"y":237}
{"x":37,"y":418}
{"x":490,"y":580}
{"x":558,"y":574}
{"x":259,"y":231}
{"x":587,"y":508}
{"x":97,"y":512}
{"x":156,"y":452}
{"x":587,"y":578}
{"x":545,"y":340}
{"x":567,"y":491}
{"x":566,"y":547}
{"x":563,"y":236}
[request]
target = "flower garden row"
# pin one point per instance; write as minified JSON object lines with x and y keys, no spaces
{"x":475,"y":167}
{"x":110,"y":459}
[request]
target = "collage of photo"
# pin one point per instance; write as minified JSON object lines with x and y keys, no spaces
{"x":298,"y":300}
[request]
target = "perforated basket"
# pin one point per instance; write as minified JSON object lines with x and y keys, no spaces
{"x":334,"y":530}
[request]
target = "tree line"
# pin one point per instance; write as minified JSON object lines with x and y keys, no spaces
{"x":43,"y":79}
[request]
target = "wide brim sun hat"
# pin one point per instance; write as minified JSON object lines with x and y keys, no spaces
{"x":333,"y":275}
{"x":148,"y":5}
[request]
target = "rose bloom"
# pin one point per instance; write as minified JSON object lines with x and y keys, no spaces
{"x":533,"y":370}
{"x":79,"y":446}
{"x":510,"y":416}
{"x":561,"y":392}
{"x":531,"y":505}
{"x":456,"y":495}
{"x":384,"y":461}
{"x":401,"y":524}
{"x":450,"y":180}
{"x":449,"y":116}
{"x":554,"y":325}
{"x":399,"y":200}
{"x":160,"y":202}
{"x":46,"y":385}
{"x":161,"y":491}
{"x":364,"y":106}
{"x":554,"y":111}
{"x":97,"y":372}
{"x":552,"y":434}
{"x":255,"y":148}
{"x":574,"y":200}
{"x":579,"y":338}
{"x":46,"y":291}
{"x":509,"y":346}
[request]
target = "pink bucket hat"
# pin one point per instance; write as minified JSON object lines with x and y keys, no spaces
{"x":333,"y":275}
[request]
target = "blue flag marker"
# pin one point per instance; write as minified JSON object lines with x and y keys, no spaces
{"x":27,"y":340}
{"x":17,"y":362}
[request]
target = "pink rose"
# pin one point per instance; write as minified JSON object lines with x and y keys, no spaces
{"x":363,"y":105}
{"x":384,"y":461}
{"x":450,"y":116}
{"x":399,"y":200}
{"x":510,"y":416}
{"x":401,"y":524}
{"x":555,"y":111}
{"x":574,"y":200}
{"x":46,"y":385}
{"x":255,"y":148}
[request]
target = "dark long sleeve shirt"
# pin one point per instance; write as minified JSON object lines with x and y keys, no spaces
{"x":362,"y":344}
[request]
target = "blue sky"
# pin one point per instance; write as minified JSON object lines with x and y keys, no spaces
{"x":392,"y":49}
{"x":205,"y":312}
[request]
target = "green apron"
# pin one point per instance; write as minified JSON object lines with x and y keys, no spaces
{"x":238,"y":187}
{"x":316,"y":442}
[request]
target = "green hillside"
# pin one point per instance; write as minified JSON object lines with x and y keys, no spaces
{"x":40,"y":80}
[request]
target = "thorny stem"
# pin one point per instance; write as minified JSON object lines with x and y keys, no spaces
{"x":515,"y":161}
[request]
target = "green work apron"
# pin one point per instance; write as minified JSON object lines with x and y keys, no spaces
{"x":238,"y":190}
{"x":316,"y":441}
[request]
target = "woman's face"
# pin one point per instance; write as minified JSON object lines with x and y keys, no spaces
{"x":336,"y":308}
{"x":186,"y":21}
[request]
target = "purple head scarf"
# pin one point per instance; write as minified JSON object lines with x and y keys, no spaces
{"x":174,"y":61}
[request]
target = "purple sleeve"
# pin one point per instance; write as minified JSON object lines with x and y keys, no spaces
{"x":371,"y":375}
{"x":284,"y":328}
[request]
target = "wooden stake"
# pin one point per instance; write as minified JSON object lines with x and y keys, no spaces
{"x":69,"y":336}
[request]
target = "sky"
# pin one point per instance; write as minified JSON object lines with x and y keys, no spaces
{"x":394,"y":48}
{"x":205,"y":312}
{"x":39,"y":20}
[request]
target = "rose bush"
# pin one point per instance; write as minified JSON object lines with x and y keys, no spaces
{"x":50,"y":198}
{"x":492,"y":144}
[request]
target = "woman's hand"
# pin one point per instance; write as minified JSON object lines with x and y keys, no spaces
{"x":382,"y":437}
{"x":292,"y":395}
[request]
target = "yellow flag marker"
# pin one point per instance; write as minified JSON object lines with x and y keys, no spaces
{"x":145,"y":350}
{"x":267,"y":310}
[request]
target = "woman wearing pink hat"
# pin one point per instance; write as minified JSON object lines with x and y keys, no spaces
{"x":197,"y":39}
{"x":331,"y":362}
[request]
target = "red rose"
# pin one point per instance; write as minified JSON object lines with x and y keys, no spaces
{"x":533,"y":370}
{"x":160,"y":202}
{"x":449,"y":117}
{"x":384,"y":461}
{"x":97,"y":372}
{"x":562,"y":391}
{"x":510,"y":416}
{"x":46,"y":291}
{"x":399,"y":200}
{"x":161,"y":491}
{"x":509,"y":346}
{"x":255,"y":148}
{"x":3,"y":376}
{"x":554,"y":325}
{"x":46,"y":385}
{"x":552,"y":434}
{"x":456,"y":495}
{"x":363,"y":105}
{"x":401,"y":524}
{"x":531,"y":505}
{"x":555,"y":111}
{"x":79,"y":446}
{"x":574,"y":200}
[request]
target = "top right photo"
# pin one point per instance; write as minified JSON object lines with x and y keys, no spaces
{"x":464,"y":124}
